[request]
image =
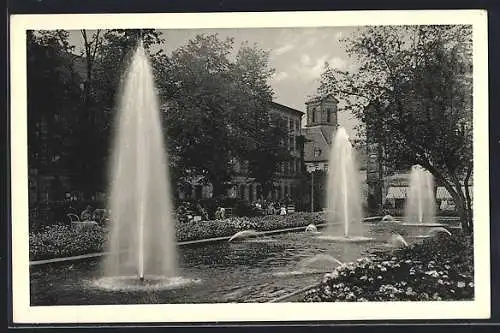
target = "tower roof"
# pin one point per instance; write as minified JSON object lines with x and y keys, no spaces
{"x":317,"y":99}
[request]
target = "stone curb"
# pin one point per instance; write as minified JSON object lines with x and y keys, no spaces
{"x":192,"y":242}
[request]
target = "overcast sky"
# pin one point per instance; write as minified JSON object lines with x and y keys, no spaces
{"x":297,"y":55}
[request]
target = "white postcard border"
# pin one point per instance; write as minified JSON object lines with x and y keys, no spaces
{"x":24,"y":313}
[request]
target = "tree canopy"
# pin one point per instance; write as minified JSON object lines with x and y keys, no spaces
{"x":413,"y":92}
{"x":216,"y":100}
{"x":218,"y":110}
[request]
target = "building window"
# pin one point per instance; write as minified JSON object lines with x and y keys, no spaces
{"x":313,"y":115}
{"x":328,"y":117}
{"x":297,"y":125}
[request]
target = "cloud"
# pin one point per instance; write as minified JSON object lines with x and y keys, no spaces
{"x":312,"y":67}
{"x":283,"y":49}
{"x":305,"y":59}
{"x":338,"y":63}
{"x":280,"y":76}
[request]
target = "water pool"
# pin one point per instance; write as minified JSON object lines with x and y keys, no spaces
{"x":256,"y":270}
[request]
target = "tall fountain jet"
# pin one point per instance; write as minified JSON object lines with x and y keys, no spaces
{"x":143,"y":227}
{"x":343,"y":191}
{"x":421,"y":203}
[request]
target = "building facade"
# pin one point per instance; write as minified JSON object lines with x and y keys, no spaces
{"x":288,"y":178}
{"x":321,"y":126}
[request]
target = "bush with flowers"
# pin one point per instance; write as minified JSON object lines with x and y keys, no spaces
{"x":57,"y":241}
{"x":187,"y":231}
{"x":435,"y":270}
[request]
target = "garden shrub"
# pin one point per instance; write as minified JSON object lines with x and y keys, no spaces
{"x":62,"y":241}
{"x":437,"y":269}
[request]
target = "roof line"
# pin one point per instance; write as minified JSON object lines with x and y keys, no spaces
{"x":287,"y":107}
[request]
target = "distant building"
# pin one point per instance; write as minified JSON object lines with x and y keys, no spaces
{"x":288,"y":177}
{"x":318,"y":132}
{"x":388,"y":187}
{"x":321,"y":126}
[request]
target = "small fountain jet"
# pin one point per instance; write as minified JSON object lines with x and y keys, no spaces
{"x":343,"y":192}
{"x":421,"y":203}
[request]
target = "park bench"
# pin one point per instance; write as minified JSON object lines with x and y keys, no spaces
{"x":290,"y":209}
{"x":75,"y":222}
{"x":100,"y":216}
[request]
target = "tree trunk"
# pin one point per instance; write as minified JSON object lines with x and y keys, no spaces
{"x":464,"y":214}
{"x":455,"y":190}
{"x":468,"y":201}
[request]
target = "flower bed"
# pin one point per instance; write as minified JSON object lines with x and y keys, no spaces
{"x":437,"y":269}
{"x":58,"y":241}
{"x":63,"y":241}
{"x":188,"y":231}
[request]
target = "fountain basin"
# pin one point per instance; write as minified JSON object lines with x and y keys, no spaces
{"x":423,"y":225}
{"x":344,"y":239}
{"x":246,"y":272}
{"x":150,"y":283}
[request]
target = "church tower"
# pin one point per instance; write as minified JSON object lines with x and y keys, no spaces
{"x":322,"y":111}
{"x":321,"y":126}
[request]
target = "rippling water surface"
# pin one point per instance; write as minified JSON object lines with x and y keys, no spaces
{"x":250,"y":271}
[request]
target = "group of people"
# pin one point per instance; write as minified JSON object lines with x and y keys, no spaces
{"x":188,"y":212}
{"x":88,"y":214}
{"x":273,"y":208}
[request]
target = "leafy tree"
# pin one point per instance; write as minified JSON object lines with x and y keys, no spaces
{"x":53,"y":94}
{"x":413,"y":91}
{"x":263,"y":135}
{"x":106,"y":55}
{"x":217,"y":109}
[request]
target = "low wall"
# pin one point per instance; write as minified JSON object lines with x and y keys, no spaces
{"x":193,"y":242}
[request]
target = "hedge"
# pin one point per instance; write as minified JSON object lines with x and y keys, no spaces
{"x":55,"y":241}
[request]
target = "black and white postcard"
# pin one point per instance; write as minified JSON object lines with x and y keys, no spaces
{"x":284,"y":166}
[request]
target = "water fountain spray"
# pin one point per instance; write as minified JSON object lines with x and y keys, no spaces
{"x":420,"y":204}
{"x":344,"y":206}
{"x":143,"y":228}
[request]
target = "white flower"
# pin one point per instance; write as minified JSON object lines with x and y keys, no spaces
{"x":460,"y":284}
{"x":383,"y":269}
{"x":432,"y":273}
{"x":364,"y":277}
